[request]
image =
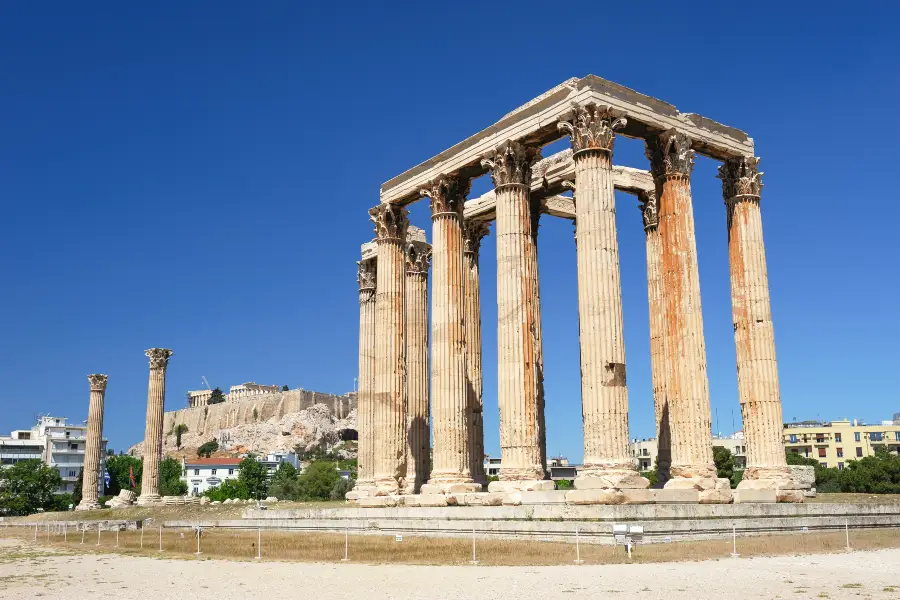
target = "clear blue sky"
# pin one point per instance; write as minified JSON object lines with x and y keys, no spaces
{"x":196,"y":176}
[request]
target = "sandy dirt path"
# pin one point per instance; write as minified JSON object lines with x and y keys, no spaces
{"x":28,"y":571}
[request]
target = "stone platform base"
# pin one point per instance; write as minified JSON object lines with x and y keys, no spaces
{"x":450,"y":488}
{"x":94,"y":506}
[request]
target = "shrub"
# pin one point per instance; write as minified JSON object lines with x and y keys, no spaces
{"x":340,"y":489}
{"x":228,"y":490}
{"x":317,"y":481}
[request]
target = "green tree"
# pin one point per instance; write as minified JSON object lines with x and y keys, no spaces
{"x":119,"y":468}
{"x":206,"y":450}
{"x":317,"y":481}
{"x":724,"y":460}
{"x":254,"y":477}
{"x":170,"y":483}
{"x":284,"y":485}
{"x":27,"y":486}
{"x":217,"y":397}
{"x":285,"y":388}
{"x":228,"y":490}
{"x":62,"y":502}
{"x":77,"y":489}
{"x":340,"y":489}
{"x":180,"y":429}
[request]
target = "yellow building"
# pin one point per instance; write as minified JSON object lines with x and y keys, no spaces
{"x":834,"y":444}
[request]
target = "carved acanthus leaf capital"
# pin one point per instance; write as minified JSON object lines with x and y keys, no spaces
{"x":670,"y":154}
{"x":98,"y":382}
{"x":447,"y":194}
{"x":592,"y":127}
{"x":418,"y":258}
{"x":473,"y":232}
{"x":159,"y":357}
{"x":649,"y":209}
{"x":366,"y":274}
{"x":391,"y":222}
{"x":741,"y":177}
{"x":511,"y":163}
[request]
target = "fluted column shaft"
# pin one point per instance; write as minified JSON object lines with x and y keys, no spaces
{"x":538,"y":332}
{"x":449,"y":409}
{"x":153,"y":434}
{"x":390,"y":348}
{"x":93,"y":445}
{"x":473,"y":232}
{"x":754,"y":336}
{"x":365,"y":405}
{"x":417,"y":414}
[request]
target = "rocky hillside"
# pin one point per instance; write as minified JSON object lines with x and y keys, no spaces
{"x":267,"y":423}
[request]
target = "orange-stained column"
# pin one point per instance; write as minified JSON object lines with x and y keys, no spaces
{"x":365,"y":405}
{"x":656,"y":301}
{"x":687,"y":386}
{"x":754,"y":336}
{"x":518,"y":337}
{"x":153,"y":434}
{"x":473,"y":232}
{"x":391,"y":224}
{"x":90,"y":476}
{"x":418,"y":261}
{"x":604,"y":395}
{"x":449,"y":408}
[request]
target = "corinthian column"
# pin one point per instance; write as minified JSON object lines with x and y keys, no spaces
{"x":153,"y":434}
{"x":687,"y":387}
{"x":365,"y":405}
{"x":450,"y":471}
{"x":473,"y":231}
{"x":754,"y":337}
{"x":90,"y":475}
{"x":518,"y":332}
{"x":418,"y":260}
{"x":391,"y":224}
{"x":656,"y":301}
{"x":604,"y":395}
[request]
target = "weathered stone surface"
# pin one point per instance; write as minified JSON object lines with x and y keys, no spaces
{"x":431,"y":500}
{"x":746,"y":496}
{"x":790,"y":495}
{"x":639,"y":496}
{"x":451,"y":488}
{"x":533,"y":485}
{"x":716,"y":496}
{"x":594,"y":496}
{"x":365,"y":422}
{"x":93,"y":444}
{"x":554,"y":497}
{"x":512,"y":498}
{"x":612,"y":479}
{"x":380,"y":501}
{"x":473,"y":232}
{"x":153,"y":434}
{"x":669,"y":495}
{"x":418,"y":261}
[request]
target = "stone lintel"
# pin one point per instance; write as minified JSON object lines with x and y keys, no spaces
{"x":534,"y":123}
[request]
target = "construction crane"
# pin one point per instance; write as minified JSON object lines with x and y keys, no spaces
{"x":203,"y":377}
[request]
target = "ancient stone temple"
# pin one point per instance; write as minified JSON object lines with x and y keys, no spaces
{"x":591,"y":113}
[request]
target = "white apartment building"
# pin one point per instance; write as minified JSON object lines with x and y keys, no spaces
{"x":202,"y":474}
{"x":644,"y":452}
{"x":57,"y":444}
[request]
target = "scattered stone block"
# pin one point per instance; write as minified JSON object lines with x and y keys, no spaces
{"x":431,"y":500}
{"x":550,"y":497}
{"x":716,"y":496}
{"x":512,"y":499}
{"x":752,"y":496}
{"x":790,"y":495}
{"x":669,"y":495}
{"x":644,"y":496}
{"x":594,"y":496}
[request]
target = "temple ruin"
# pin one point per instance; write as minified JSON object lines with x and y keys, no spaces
{"x":394,"y":419}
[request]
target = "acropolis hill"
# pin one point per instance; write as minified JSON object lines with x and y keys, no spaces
{"x":265,"y":422}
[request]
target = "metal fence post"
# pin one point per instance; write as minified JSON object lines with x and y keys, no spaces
{"x":578,"y":560}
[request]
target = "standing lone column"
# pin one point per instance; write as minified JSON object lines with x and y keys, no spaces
{"x":687,"y":386}
{"x":449,"y":411}
{"x":473,"y":231}
{"x":518,"y":377}
{"x":90,"y":476}
{"x":418,"y":260}
{"x":604,"y":395}
{"x":754,"y":337}
{"x":656,"y":302}
{"x":391,"y":224}
{"x":153,"y":434}
{"x":365,"y":406}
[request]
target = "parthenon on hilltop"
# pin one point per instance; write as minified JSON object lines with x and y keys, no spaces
{"x":398,"y":415}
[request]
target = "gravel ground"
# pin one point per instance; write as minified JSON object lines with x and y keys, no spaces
{"x":28,"y":571}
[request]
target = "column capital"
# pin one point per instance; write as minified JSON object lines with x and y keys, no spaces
{"x":366,"y":274}
{"x":447,"y":194}
{"x":98,"y":382}
{"x":391,"y":222}
{"x":473,"y":232}
{"x":670,"y":155}
{"x":510,"y":163}
{"x":592,"y":127}
{"x":418,"y":258}
{"x":159,"y":357}
{"x":649,"y":209}
{"x":741,"y":178}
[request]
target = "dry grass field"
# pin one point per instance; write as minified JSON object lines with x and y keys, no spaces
{"x":369,"y":549}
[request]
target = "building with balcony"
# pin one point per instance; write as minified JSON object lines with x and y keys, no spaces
{"x":644,"y":452}
{"x":55,"y":442}
{"x":834,"y":443}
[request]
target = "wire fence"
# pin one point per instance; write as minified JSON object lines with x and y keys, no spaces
{"x":478,"y":548}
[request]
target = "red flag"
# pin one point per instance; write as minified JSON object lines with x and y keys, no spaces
{"x":131,"y":475}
